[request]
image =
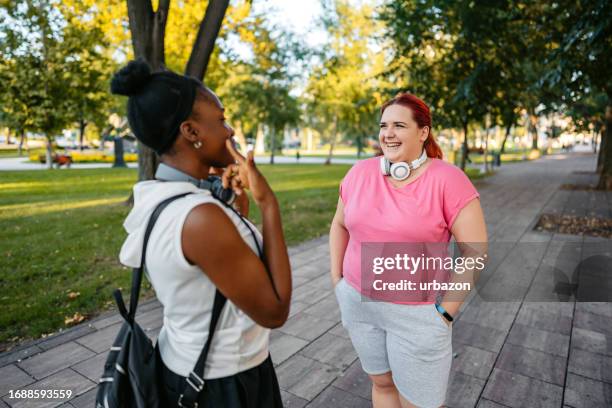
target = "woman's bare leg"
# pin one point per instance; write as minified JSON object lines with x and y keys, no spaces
{"x":384,"y":393}
{"x":405,"y":403}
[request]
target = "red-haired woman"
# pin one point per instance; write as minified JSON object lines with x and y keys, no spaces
{"x":409,"y":195}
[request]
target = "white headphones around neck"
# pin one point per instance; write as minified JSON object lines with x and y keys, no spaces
{"x":401,"y":170}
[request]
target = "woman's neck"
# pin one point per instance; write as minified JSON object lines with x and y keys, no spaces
{"x":193,"y":168}
{"x":414,"y":156}
{"x":414,"y":174}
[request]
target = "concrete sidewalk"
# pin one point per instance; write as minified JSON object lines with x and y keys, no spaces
{"x":515,"y":354}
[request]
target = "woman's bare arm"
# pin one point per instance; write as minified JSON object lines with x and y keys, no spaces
{"x":338,"y":240}
{"x":470,"y":233}
{"x":211,"y":241}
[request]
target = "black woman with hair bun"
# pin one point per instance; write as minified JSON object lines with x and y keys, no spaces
{"x":203,"y":242}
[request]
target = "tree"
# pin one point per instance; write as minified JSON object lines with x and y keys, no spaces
{"x":581,"y":36}
{"x":258,"y":88}
{"x":34,"y":60}
{"x":15,"y":111}
{"x":53,"y":71}
{"x":449,"y":49}
{"x":344,"y":89}
{"x":470,"y":59}
{"x":90,"y":68}
{"x":159,"y":36}
{"x":520,"y":50}
{"x":588,"y":114}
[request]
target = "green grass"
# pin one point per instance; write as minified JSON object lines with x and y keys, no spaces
{"x":506,"y":158}
{"x":318,"y":155}
{"x":475,"y":174}
{"x":61,"y":231}
{"x":7,"y":153}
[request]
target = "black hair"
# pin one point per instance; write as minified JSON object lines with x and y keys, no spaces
{"x":158,"y":102}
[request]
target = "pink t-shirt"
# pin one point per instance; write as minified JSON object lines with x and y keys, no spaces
{"x":422,"y":211}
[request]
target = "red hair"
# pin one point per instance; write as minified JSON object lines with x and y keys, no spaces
{"x":421,"y":115}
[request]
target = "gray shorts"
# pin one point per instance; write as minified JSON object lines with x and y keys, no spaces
{"x":411,"y":341}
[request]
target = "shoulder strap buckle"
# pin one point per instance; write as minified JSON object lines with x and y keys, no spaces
{"x":180,"y":403}
{"x":195,"y":381}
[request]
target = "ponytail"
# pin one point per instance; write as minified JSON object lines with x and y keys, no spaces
{"x":432,"y":148}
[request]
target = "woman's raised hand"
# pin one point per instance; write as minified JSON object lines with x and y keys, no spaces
{"x":245,"y":175}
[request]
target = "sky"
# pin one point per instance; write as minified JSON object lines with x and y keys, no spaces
{"x":298,"y":16}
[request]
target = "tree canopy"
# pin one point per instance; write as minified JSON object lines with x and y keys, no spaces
{"x":476,"y":63}
{"x":52,"y":71}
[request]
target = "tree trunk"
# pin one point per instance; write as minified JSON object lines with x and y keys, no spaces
{"x":119,"y":158}
{"x":205,"y":41}
{"x":147,"y":162}
{"x":106,"y":132}
{"x":148,"y":29}
{"x":605,"y":177}
{"x":272,"y":145}
{"x":21,"y":142}
{"x":332,"y":143}
{"x":8,"y":137}
{"x":503,"y":146}
{"x":359,"y":147}
{"x":464,"y":147}
{"x":486,"y":146}
{"x":239,"y":137}
{"x":82,"y":126}
{"x":533,"y":120}
{"x":600,"y":156}
{"x":49,"y":154}
{"x":534,"y":141}
{"x":260,"y":142}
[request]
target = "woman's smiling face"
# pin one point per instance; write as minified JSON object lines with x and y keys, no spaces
{"x":400,"y":137}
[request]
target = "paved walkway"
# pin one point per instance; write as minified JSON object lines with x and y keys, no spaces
{"x":515,"y":354}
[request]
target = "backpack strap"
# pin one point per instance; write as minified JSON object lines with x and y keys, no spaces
{"x":137,"y":272}
{"x":195,"y":383}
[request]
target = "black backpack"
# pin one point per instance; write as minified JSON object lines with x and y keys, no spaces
{"x":130,"y":377}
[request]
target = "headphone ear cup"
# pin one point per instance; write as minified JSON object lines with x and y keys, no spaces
{"x":384,"y":165}
{"x":400,"y":171}
{"x":216,"y":188}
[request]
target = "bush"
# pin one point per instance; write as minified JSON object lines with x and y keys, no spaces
{"x":88,"y":157}
{"x":519,"y":156}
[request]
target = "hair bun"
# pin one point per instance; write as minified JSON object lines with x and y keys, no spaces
{"x":130,"y":79}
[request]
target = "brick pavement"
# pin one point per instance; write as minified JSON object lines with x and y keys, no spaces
{"x":514,"y":353}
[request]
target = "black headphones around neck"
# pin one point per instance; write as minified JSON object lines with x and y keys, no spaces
{"x":212,"y":183}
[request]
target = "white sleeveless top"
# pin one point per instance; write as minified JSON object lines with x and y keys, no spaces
{"x":185,"y":291}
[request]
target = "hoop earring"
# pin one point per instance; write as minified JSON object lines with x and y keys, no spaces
{"x":197,"y":144}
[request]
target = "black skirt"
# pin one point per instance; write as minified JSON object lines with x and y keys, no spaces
{"x":254,"y":388}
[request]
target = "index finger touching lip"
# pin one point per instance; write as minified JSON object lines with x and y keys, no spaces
{"x":232,"y":149}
